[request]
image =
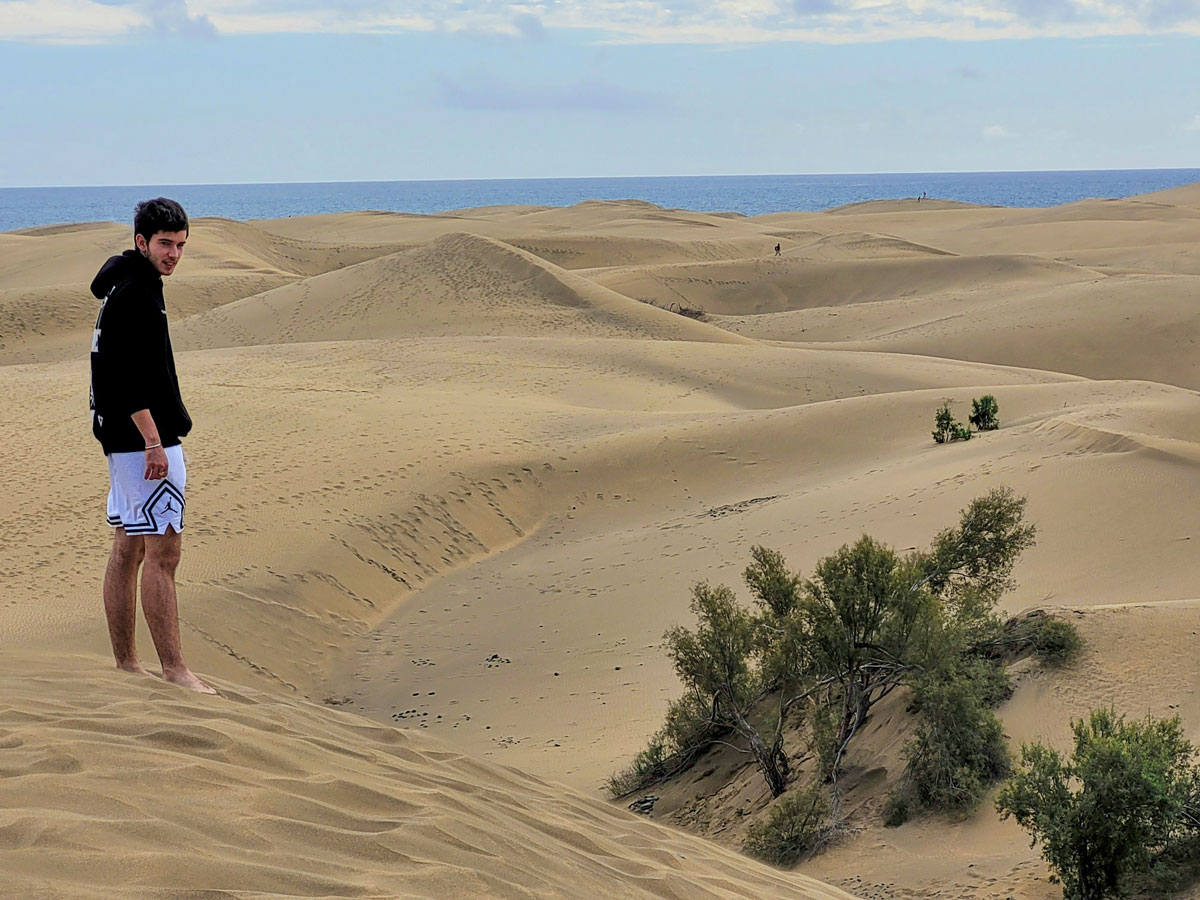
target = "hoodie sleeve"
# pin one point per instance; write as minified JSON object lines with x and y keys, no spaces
{"x":127,"y":346}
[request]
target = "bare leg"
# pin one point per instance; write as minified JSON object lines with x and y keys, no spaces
{"x":162,"y":613}
{"x":120,"y":599}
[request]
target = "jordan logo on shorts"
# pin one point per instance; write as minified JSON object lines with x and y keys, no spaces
{"x":159,"y":506}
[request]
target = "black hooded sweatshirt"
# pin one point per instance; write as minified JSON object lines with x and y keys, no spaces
{"x":133,"y":367}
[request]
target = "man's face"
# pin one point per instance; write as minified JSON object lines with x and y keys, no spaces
{"x":163,"y":249}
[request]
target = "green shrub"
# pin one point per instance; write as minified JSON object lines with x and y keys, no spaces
{"x":1056,"y":642}
{"x":823,"y":741}
{"x":647,"y":768}
{"x":687,"y":729}
{"x":830,"y":647}
{"x":719,"y":661}
{"x":946,"y":428}
{"x":1051,"y":639}
{"x":958,"y":749}
{"x":794,"y":824}
{"x":943,"y":424}
{"x":1123,"y":807}
{"x":985,"y":413}
{"x":688,"y":723}
{"x":991,"y":681}
{"x":895,"y":811}
{"x":775,"y":589}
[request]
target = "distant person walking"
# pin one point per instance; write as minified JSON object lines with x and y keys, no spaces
{"x":777,"y":248}
{"x":139,"y":418}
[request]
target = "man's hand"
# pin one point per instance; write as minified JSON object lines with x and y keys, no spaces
{"x":156,"y":463}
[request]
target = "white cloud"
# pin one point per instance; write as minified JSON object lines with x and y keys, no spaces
{"x":643,"y":21}
{"x":997,"y":132}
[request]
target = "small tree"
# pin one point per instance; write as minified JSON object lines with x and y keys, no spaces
{"x":969,"y":567}
{"x":985,"y":413}
{"x":943,"y":424}
{"x":715,"y":660}
{"x":865,"y":613}
{"x":946,"y":428}
{"x":1128,"y":797}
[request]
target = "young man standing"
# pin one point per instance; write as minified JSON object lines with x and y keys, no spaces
{"x":139,"y":418}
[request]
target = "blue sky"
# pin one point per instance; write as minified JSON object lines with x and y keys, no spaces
{"x":168,"y":91}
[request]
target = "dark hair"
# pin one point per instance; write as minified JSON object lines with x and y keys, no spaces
{"x":159,"y":214}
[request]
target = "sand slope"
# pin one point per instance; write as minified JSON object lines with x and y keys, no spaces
{"x":116,"y":786}
{"x":47,"y":311}
{"x":770,"y":285}
{"x":459,"y":284}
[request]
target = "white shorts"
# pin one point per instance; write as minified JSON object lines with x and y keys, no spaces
{"x":146,"y":507}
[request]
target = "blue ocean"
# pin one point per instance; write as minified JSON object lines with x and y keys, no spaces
{"x":747,"y":194}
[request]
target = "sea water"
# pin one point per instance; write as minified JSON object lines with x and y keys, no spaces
{"x":746,"y":194}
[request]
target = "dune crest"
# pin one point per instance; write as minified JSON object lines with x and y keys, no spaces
{"x":458,"y":284}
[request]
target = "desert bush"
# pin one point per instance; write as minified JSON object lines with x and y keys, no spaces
{"x":687,"y":730}
{"x":688,"y":724}
{"x":943,"y":424}
{"x":690,"y":312}
{"x":946,"y":428}
{"x":793,"y":825}
{"x":985,"y":413}
{"x":775,"y":589}
{"x":1051,"y":639}
{"x":865,"y":614}
{"x":969,"y":567}
{"x":958,"y":749}
{"x":1055,"y":641}
{"x":896,"y":810}
{"x":1126,"y":805}
{"x":648,"y":767}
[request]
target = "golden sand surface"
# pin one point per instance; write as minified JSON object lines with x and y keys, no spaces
{"x":452,"y":477}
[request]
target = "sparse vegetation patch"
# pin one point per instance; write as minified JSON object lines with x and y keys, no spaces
{"x":813,"y":656}
{"x":985,"y":416}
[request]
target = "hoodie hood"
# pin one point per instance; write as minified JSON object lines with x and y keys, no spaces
{"x":130,"y":264}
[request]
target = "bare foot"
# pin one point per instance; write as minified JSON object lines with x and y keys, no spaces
{"x":185,"y":678}
{"x":135,"y":668}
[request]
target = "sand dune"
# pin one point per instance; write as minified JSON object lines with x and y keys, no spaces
{"x":47,"y":311}
{"x":459,"y":284}
{"x":878,"y":207}
{"x":450,"y":474}
{"x":775,"y":285}
{"x":1185,"y":195}
{"x":863,"y":245}
{"x":253,"y":794}
{"x":1129,"y":326}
